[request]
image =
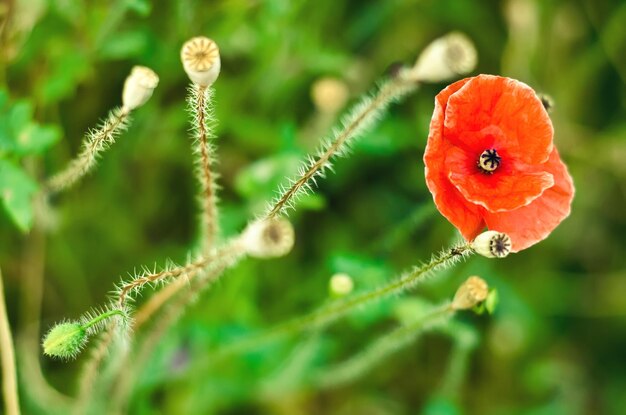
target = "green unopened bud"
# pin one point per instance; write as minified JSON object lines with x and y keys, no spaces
{"x":340,"y":284}
{"x":65,"y":340}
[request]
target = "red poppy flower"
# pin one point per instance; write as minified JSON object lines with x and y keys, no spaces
{"x":490,"y":161}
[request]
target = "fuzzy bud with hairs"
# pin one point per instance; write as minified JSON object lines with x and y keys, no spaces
{"x":138,"y":87}
{"x":268,"y":238}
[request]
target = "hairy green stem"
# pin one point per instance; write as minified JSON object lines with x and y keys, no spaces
{"x":94,"y":144}
{"x":7,"y":355}
{"x":103,"y":316}
{"x":362,"y":116}
{"x":327,"y":314}
{"x":226,"y":257}
{"x":200,"y":102}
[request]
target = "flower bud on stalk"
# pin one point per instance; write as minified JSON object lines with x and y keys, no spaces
{"x":445,"y":58}
{"x":340,"y":284}
{"x":473,"y":291}
{"x":138,"y":87}
{"x":492,"y":244}
{"x":201,"y":60}
{"x":65,"y":340}
{"x":268,"y":238}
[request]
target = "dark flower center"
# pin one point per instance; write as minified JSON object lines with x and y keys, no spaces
{"x":489,"y":161}
{"x":500,"y":245}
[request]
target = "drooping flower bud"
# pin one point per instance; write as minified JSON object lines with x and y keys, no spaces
{"x":138,"y":87}
{"x":65,"y":340}
{"x":445,"y":58}
{"x":268,"y":238}
{"x":473,"y":291}
{"x":492,"y":244}
{"x":340,"y":284}
{"x":201,"y":60}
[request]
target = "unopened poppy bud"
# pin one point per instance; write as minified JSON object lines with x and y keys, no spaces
{"x":492,"y":244}
{"x":201,"y":60}
{"x":472,"y":292}
{"x":268,"y":238}
{"x":341,"y":284}
{"x":138,"y":87}
{"x":445,"y":58}
{"x":65,"y":340}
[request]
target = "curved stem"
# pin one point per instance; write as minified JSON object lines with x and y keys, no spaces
{"x":93,"y":145}
{"x":138,"y":283}
{"x":90,"y":370}
{"x":363,"y":115}
{"x":101,"y":317}
{"x":230,"y":254}
{"x":7,"y":354}
{"x":327,"y":314}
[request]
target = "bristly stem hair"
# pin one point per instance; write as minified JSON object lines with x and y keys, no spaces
{"x":359,"y":119}
{"x":95,"y":142}
{"x":325,"y":315}
{"x":201,"y":279}
{"x":200,"y":105}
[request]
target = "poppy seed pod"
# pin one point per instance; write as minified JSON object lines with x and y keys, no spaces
{"x":473,"y":291}
{"x":201,"y":60}
{"x":268,"y":238}
{"x":138,"y":87}
{"x":492,"y":244}
{"x":445,"y":58}
{"x":65,"y":340}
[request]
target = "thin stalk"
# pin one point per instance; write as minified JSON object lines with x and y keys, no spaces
{"x":95,"y":142}
{"x":359,"y":365}
{"x":7,"y":354}
{"x":150,"y":307}
{"x":138,"y":283}
{"x":172,"y":313}
{"x":91,"y":369}
{"x":362,"y":116}
{"x":102,"y":317}
{"x":31,"y":298}
{"x":325,"y":315}
{"x":200,"y":102}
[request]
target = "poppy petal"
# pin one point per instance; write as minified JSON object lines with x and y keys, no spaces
{"x":532,"y":223}
{"x":512,"y":106}
{"x":465,"y":216}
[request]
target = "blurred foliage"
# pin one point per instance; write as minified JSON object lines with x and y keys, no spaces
{"x":556,"y":342}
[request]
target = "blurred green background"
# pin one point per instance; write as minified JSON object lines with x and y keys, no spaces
{"x":556,"y":343}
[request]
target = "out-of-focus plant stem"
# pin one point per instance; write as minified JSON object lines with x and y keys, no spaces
{"x":7,"y":354}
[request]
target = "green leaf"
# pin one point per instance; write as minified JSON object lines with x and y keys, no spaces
{"x":141,"y":7}
{"x":18,"y":133}
{"x":35,"y":139}
{"x":124,"y":45}
{"x":16,"y":191}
